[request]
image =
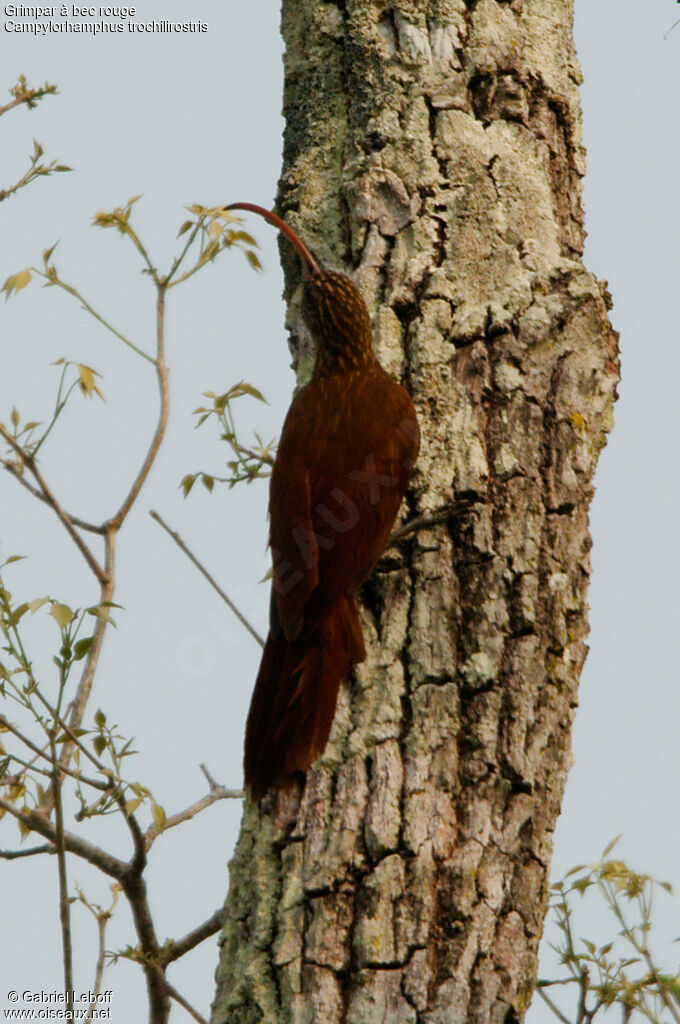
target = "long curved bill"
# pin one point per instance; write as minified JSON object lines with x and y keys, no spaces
{"x":284,"y":228}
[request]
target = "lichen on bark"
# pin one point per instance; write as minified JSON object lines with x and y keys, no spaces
{"x":433,"y":151}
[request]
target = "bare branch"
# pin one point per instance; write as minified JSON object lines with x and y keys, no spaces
{"x":134,"y":888}
{"x":102,"y":921}
{"x":138,"y":862}
{"x":80,"y":523}
{"x":216,"y":793}
{"x":440,"y":515}
{"x":54,"y":504}
{"x":208,"y":777}
{"x":204,"y":572}
{"x":555,"y":1009}
{"x":156,"y":441}
{"x":32,"y":852}
{"x":37,"y":822}
{"x":102,"y":917}
{"x":57,"y":282}
{"x":584,"y":985}
{"x":79,"y":703}
{"x":174,"y":950}
{"x":64,"y":902}
{"x":174,"y":994}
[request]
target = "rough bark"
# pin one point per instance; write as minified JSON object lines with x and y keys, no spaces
{"x":433,"y":150}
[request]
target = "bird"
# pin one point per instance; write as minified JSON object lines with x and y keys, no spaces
{"x":347,"y":448}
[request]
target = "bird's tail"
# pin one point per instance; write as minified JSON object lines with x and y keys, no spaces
{"x":293,"y":703}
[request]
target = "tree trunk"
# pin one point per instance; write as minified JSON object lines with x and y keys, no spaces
{"x":433,"y":150}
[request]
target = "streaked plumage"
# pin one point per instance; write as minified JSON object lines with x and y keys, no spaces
{"x":347,"y":449}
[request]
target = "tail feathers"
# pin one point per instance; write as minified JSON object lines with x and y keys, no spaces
{"x":295,"y":695}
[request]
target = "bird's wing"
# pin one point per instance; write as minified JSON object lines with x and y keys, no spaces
{"x":293,"y":544}
{"x":353,"y":513}
{"x":341,"y":471}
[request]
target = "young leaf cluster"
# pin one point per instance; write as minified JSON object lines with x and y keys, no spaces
{"x":249,"y":462}
{"x":621,"y":972}
{"x":210,"y":229}
{"x":36,"y":168}
{"x":27,"y":436}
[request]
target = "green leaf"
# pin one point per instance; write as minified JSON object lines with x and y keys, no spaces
{"x":248,"y":389}
{"x":87,"y":381}
{"x":17,"y":615}
{"x":16,"y":282}
{"x":82,"y":647}
{"x":253,"y":259}
{"x":187,"y":483}
{"x":132,"y":805}
{"x":100,"y":612}
{"x":208,"y":482}
{"x":210,"y":251}
{"x":673,"y":985}
{"x":243,"y":236}
{"x":62,"y":615}
{"x":158,"y":815}
{"x":99,"y":744}
{"x":22,"y":279}
{"x":188,"y":224}
{"x":100,"y":718}
{"x":14,"y":416}
{"x":14,"y":558}
{"x":610,"y":846}
{"x":582,"y":884}
{"x":48,"y":252}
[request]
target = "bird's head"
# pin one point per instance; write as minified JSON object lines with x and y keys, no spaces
{"x":333,"y":308}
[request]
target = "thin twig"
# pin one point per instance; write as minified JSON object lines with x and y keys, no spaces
{"x":78,"y":776}
{"x":661,"y":987}
{"x":80,"y":523}
{"x":174,"y":950}
{"x":215,"y":794}
{"x":52,"y":280}
{"x":584,"y":984}
{"x":102,"y":920}
{"x":201,"y":568}
{"x":37,"y":822}
{"x":174,"y":994}
{"x":29,"y":96}
{"x":666,"y":35}
{"x":441,"y":515}
{"x":267,"y":460}
{"x":79,"y":702}
{"x":208,"y":777}
{"x":555,"y":1009}
{"x":163,"y":389}
{"x":54,"y":504}
{"x":32,"y":852}
{"x":64,"y":901}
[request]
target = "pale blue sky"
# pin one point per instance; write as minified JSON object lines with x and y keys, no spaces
{"x":184,"y":118}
